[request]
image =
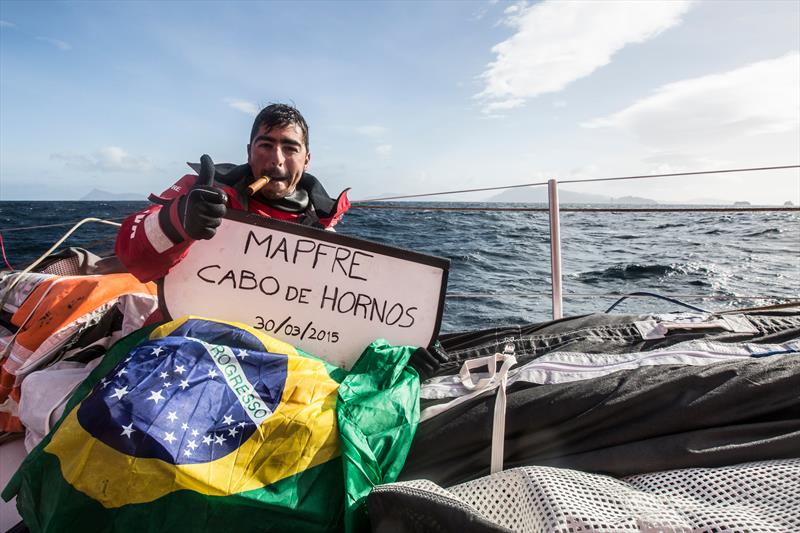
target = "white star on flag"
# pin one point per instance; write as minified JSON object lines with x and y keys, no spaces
{"x":207,"y":439}
{"x":104,"y":382}
{"x":227,"y":420}
{"x":241,"y":424}
{"x":163,"y":375}
{"x":242,"y":354}
{"x":180,"y":369}
{"x":232,"y":432}
{"x":167,"y":384}
{"x":184,"y":426}
{"x":119,"y":393}
{"x":184,"y":384}
{"x":187,"y":453}
{"x":212,"y":373}
{"x":219,"y":439}
{"x":172,"y":416}
{"x":169,"y":436}
{"x":192,"y":444}
{"x":195,"y":433}
{"x":121,"y":372}
{"x":157,"y":351}
{"x":155,"y":396}
{"x":127,"y":430}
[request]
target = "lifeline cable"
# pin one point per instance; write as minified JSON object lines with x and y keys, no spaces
{"x":582,"y":209}
{"x":643,"y":176}
{"x":467,"y":295}
{"x":60,"y":224}
{"x":49,"y":251}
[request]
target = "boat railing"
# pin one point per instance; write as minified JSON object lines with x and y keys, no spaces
{"x":553,"y":209}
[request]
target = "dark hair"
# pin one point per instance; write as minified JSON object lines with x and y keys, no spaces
{"x":280,"y":116}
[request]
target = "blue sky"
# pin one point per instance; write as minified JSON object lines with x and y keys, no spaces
{"x":405,"y":97}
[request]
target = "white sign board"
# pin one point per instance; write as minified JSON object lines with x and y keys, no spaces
{"x":329,"y":294}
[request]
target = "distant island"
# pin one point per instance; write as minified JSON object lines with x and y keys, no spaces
{"x":635,"y":200}
{"x":539,"y":195}
{"x":97,"y":195}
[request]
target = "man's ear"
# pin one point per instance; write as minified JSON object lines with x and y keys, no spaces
{"x":248,"y":152}
{"x":308,"y":160}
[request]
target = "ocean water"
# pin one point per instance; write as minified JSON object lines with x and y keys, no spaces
{"x":500,"y":261}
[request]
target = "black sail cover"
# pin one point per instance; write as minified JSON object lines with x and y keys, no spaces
{"x":695,"y":391}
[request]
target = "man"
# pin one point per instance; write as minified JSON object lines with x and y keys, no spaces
{"x":151,"y":242}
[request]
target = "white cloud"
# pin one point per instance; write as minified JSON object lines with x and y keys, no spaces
{"x":557,"y":43}
{"x":503,"y":105}
{"x":107,"y":159}
{"x":371,"y":131}
{"x":242,"y":105}
{"x":742,"y":118}
{"x":754,"y":100}
{"x":61,"y":45}
{"x":6,"y":24}
{"x":515,"y":8}
{"x":384,"y":150}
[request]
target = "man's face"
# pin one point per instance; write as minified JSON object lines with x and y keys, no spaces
{"x":280,"y":154}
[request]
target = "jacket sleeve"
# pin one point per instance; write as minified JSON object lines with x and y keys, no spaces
{"x":341,"y":207}
{"x":152,"y":241}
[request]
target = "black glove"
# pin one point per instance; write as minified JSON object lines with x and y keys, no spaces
{"x":201,"y":210}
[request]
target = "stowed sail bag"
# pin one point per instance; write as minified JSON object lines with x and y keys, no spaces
{"x":52,"y":312}
{"x":201,"y":425}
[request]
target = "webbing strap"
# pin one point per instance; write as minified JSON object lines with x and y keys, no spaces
{"x":495,"y":379}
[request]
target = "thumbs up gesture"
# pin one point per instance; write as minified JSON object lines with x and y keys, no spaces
{"x":201,"y":210}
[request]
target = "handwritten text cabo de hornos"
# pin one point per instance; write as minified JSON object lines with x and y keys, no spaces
{"x":327,"y":259}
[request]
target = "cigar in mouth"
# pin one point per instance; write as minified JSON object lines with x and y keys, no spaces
{"x":257,"y":185}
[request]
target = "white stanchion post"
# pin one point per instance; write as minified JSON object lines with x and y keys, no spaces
{"x":555,"y":246}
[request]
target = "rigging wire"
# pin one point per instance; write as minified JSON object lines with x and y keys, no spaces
{"x":674,"y":174}
{"x":582,"y":209}
{"x":538,"y":183}
{"x":469,"y":295}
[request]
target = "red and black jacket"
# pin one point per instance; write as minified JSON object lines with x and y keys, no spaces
{"x":152,"y":241}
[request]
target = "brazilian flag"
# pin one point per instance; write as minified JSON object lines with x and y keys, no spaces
{"x":202,"y":425}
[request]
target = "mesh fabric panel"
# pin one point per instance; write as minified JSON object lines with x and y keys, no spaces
{"x":754,"y":497}
{"x":69,"y":266}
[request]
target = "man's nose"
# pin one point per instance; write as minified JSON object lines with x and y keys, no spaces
{"x":276,"y":156}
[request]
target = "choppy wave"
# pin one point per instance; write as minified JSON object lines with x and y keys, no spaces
{"x":670,"y":225}
{"x":637,"y":271}
{"x":769,"y":231}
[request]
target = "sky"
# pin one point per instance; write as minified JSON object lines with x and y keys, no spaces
{"x":406,"y":97}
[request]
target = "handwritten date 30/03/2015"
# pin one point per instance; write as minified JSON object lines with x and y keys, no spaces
{"x":309,"y":331}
